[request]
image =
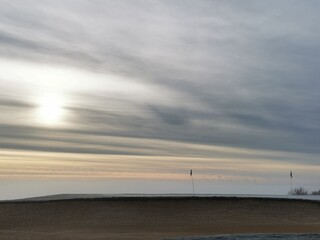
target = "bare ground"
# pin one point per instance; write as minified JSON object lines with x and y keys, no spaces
{"x":155,"y":218}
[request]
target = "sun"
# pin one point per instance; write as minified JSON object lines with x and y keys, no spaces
{"x":50,"y":110}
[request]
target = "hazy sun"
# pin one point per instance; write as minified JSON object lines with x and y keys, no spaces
{"x":50,"y":110}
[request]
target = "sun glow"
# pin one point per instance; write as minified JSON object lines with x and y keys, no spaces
{"x":50,"y":110}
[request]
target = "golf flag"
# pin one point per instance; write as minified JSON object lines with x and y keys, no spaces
{"x":191,"y":177}
{"x":291,"y":174}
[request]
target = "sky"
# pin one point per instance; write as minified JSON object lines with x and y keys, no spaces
{"x":127,"y":96}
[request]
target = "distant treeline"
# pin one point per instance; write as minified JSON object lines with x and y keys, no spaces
{"x":303,"y":191}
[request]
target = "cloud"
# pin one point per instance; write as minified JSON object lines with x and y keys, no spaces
{"x":239,"y":75}
{"x":12,"y":103}
{"x":171,"y":116}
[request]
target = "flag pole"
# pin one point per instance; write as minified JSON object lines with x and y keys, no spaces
{"x":191,"y":176}
{"x":291,"y":181}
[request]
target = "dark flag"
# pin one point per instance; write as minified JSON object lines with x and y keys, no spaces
{"x":291,"y":174}
{"x":191,"y":173}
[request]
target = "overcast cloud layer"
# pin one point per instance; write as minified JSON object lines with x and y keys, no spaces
{"x":162,"y":80}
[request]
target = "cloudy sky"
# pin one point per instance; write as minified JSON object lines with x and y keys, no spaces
{"x":136,"y":93}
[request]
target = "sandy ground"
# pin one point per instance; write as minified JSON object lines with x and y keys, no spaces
{"x":155,"y":218}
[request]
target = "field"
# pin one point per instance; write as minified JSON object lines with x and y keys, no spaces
{"x":155,"y":217}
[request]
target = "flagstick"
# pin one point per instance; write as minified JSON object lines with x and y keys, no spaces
{"x":291,"y":184}
{"x":191,"y":176}
{"x":192,"y":184}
